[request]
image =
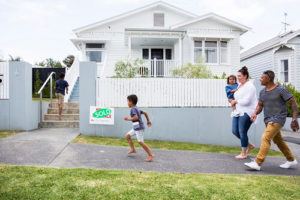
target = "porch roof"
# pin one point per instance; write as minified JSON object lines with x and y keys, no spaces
{"x":79,"y":41}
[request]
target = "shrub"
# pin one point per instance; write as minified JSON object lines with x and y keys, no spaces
{"x":129,"y":68}
{"x":296,"y":95}
{"x":193,"y":71}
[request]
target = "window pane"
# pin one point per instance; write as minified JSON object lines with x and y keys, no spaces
{"x":198,"y":43}
{"x":286,"y":77}
{"x":168,"y":54}
{"x":224,"y":52}
{"x":159,"y":19}
{"x":211,"y":51}
{"x":223,"y":44}
{"x":210,"y":43}
{"x":284,"y":70}
{"x":94,"y":45}
{"x":95,"y":56}
{"x":198,"y":55}
{"x":145,"y":53}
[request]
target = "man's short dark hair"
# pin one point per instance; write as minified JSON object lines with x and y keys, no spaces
{"x":270,"y":74}
{"x":62,"y":75}
{"x":133,"y":98}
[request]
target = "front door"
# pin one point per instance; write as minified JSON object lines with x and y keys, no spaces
{"x":158,"y":54}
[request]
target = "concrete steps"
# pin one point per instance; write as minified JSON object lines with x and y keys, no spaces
{"x":69,"y":118}
{"x":60,"y":124}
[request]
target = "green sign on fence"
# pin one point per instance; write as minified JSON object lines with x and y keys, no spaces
{"x":100,"y":115}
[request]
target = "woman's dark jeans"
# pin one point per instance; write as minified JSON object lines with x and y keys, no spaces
{"x":240,"y":127}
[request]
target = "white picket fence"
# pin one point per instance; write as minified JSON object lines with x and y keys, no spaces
{"x":4,"y":80}
{"x":162,"y":92}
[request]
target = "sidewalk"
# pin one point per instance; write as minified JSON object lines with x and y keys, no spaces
{"x":51,"y":147}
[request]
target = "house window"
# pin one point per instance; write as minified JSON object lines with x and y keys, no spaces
{"x":211,"y":49}
{"x":224,"y":51}
{"x":168,"y":54}
{"x":146,"y":54}
{"x":95,"y":52}
{"x":284,"y":70}
{"x":198,"y":51}
{"x":159,"y":19}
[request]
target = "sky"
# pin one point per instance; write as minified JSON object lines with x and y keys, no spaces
{"x":39,"y":29}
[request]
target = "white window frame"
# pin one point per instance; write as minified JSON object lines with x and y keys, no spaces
{"x":103,"y":50}
{"x":211,"y":63}
{"x":280,"y":72}
{"x":218,"y":51}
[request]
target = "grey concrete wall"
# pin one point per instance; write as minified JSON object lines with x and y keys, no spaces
{"x":199,"y":125}
{"x":19,"y":112}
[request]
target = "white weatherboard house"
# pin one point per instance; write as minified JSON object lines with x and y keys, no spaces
{"x":165,"y":37}
{"x":280,"y":54}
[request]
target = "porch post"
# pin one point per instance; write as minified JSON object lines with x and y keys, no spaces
{"x":129,"y":47}
{"x":180,"y":50}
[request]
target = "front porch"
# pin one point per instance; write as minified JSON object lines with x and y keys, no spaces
{"x":160,"y":50}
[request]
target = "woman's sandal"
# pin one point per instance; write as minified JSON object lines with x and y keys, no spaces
{"x":241,"y":157}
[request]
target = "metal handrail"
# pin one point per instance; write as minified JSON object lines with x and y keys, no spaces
{"x":40,"y":92}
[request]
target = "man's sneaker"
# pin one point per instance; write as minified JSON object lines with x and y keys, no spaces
{"x":289,"y":164}
{"x":253,"y":165}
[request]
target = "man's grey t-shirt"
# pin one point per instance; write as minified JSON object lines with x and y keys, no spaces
{"x":274,"y":102}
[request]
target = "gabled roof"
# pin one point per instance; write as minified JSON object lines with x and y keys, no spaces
{"x":138,"y":10}
{"x":214,"y":16}
{"x":270,"y":44}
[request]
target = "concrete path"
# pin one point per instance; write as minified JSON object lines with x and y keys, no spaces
{"x":50,"y":147}
{"x":39,"y":147}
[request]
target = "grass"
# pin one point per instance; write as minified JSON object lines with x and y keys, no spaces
{"x":4,"y":134}
{"x":20,"y":182}
{"x":83,"y":139}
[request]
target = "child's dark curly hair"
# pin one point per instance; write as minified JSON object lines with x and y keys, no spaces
{"x":231,"y":76}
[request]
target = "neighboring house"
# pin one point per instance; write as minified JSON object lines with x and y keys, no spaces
{"x":281,"y":54}
{"x":165,"y":37}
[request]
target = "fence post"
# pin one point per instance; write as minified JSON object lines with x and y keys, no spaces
{"x":87,"y":97}
{"x":154,"y":66}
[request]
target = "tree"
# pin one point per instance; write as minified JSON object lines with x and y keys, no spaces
{"x":50,"y":62}
{"x":16,"y":59}
{"x":69,"y":60}
{"x":296,"y":95}
{"x":37,"y":82}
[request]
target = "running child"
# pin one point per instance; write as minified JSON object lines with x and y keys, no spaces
{"x":137,"y":127}
{"x":61,"y":87}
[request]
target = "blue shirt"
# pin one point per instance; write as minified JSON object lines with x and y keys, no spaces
{"x":61,"y":86}
{"x":136,"y":111}
{"x":228,"y":90}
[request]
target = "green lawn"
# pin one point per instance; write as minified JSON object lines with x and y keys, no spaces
{"x":4,"y":134}
{"x":20,"y":182}
{"x":165,"y":145}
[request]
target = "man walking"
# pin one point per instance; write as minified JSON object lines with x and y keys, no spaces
{"x":273,"y":99}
